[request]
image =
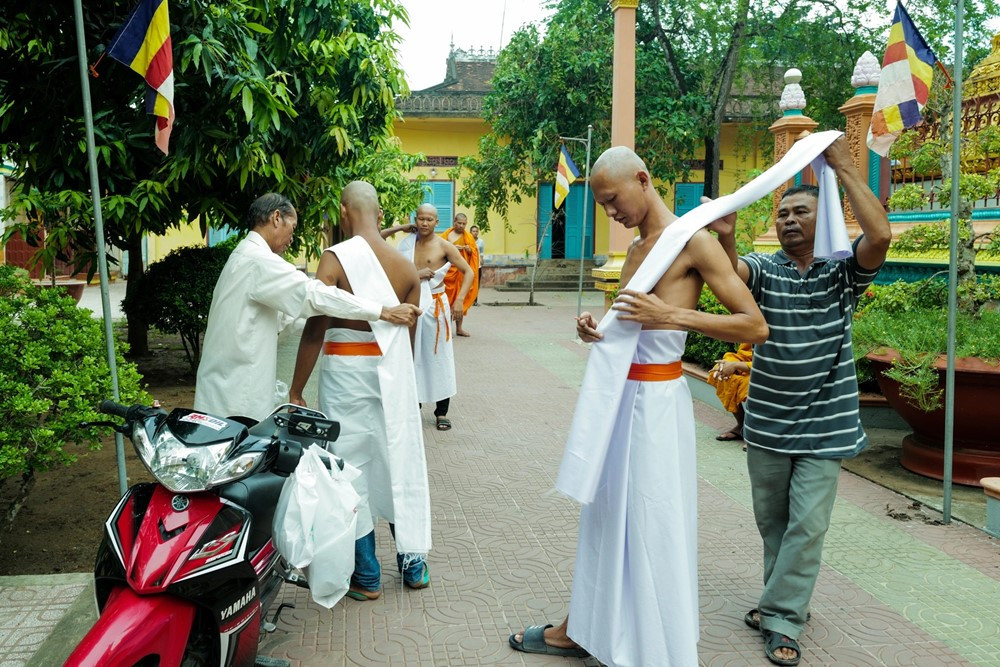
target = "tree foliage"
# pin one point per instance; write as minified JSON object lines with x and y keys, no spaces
{"x":693,"y":59}
{"x":293,"y":96}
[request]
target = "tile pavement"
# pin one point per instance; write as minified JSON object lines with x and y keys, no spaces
{"x":890,"y":592}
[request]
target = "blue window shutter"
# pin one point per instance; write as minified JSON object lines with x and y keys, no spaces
{"x":544,"y":215}
{"x":440,"y":194}
{"x":687,"y":196}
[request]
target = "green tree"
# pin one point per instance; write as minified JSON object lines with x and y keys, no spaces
{"x":692,"y":59}
{"x":293,"y":96}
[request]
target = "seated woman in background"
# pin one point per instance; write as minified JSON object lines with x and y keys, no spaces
{"x":730,"y":376}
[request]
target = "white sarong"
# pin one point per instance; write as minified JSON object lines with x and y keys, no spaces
{"x":375,"y":401}
{"x":635,"y":590}
{"x":434,"y":352}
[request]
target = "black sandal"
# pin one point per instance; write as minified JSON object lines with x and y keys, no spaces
{"x":775,"y":640}
{"x":443,"y":423}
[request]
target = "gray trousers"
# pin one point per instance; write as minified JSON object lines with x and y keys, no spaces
{"x":793,"y":500}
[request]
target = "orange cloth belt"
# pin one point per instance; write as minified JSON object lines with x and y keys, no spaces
{"x":655,"y":372}
{"x":438,"y":310}
{"x":368,"y":349}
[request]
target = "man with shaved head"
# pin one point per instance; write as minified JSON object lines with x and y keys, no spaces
{"x":635,"y":589}
{"x":367,"y":383}
{"x":433,"y":349}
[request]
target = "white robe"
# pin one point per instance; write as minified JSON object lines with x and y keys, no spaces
{"x":635,"y":593}
{"x":255,"y":292}
{"x":375,"y":401}
{"x":434,"y":352}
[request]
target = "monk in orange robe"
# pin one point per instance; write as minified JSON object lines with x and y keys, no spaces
{"x":466,"y":244}
{"x":731,"y":377}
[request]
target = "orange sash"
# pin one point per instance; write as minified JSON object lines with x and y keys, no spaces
{"x":438,"y":309}
{"x":347,"y":349}
{"x":655,"y":372}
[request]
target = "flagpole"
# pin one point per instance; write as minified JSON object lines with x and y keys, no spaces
{"x":956,"y":152}
{"x":102,"y":259}
{"x":583,"y":231}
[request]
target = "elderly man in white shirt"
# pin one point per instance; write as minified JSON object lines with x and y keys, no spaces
{"x":256,"y":291}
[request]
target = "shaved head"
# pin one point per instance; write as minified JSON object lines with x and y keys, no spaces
{"x":360,"y":199}
{"x":619,"y":162}
{"x":427,"y":208}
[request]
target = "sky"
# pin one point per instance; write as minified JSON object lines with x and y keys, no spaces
{"x":472,"y":23}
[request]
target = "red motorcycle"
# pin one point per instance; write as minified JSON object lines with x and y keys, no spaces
{"x":186,"y":571}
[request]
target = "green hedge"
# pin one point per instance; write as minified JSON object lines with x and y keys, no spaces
{"x":53,"y":374}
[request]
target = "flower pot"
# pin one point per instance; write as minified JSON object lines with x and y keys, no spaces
{"x":71,"y":286}
{"x":976,"y":452}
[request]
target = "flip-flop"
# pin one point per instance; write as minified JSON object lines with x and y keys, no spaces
{"x":775,"y":640}
{"x":533,"y":641}
{"x":443,"y":423}
{"x":423,"y":582}
{"x":729,"y":436}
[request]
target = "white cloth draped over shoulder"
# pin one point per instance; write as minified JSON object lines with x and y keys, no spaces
{"x":608,"y":364}
{"x":434,"y":353}
{"x":403,"y":441}
{"x":255,"y":295}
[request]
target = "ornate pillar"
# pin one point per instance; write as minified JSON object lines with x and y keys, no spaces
{"x":785,"y":130}
{"x":622,"y":133}
{"x":858,"y":111}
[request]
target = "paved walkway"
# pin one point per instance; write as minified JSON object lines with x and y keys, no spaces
{"x":890,"y":592}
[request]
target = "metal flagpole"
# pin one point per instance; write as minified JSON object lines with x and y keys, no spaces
{"x":583,"y":231}
{"x":956,"y":150}
{"x":102,"y":259}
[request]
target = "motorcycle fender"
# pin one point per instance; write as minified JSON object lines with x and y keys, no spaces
{"x":132,"y":627}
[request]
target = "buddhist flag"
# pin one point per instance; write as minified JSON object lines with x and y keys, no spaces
{"x":566,"y":173}
{"x":143,"y":43}
{"x":905,"y":82}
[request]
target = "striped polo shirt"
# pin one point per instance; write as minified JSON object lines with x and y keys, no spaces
{"x":803,"y":395}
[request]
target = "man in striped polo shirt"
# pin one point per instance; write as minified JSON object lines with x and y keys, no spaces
{"x":802,"y":415}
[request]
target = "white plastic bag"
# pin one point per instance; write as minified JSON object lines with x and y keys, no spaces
{"x":314,"y":524}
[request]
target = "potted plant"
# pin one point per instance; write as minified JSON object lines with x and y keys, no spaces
{"x":902,"y":328}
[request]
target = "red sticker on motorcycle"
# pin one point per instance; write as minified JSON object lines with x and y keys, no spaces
{"x":205,"y":420}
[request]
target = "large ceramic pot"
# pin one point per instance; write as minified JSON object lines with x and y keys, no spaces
{"x":976,"y":439}
{"x":71,"y":286}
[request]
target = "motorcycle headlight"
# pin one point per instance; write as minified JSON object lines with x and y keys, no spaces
{"x":181,"y":468}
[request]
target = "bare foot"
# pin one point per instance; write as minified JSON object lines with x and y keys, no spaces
{"x":462,"y":332}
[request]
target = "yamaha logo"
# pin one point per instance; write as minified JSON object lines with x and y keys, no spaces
{"x":180,"y":503}
{"x":239,"y":604}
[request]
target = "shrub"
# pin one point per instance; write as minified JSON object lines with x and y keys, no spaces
{"x":176,"y":293}
{"x":700,"y":348}
{"x":912,"y":319}
{"x":53,"y":374}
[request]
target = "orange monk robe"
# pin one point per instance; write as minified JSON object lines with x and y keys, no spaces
{"x":733,"y":391}
{"x":453,"y":280}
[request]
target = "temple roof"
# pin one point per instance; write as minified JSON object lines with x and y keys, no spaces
{"x":461,"y":94}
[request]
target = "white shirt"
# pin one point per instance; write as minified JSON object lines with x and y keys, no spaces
{"x":256,"y":289}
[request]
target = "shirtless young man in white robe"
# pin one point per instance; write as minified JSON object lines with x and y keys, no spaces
{"x":434,"y":352}
{"x":367,"y":383}
{"x":635,"y":591}
{"x":256,"y":291}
